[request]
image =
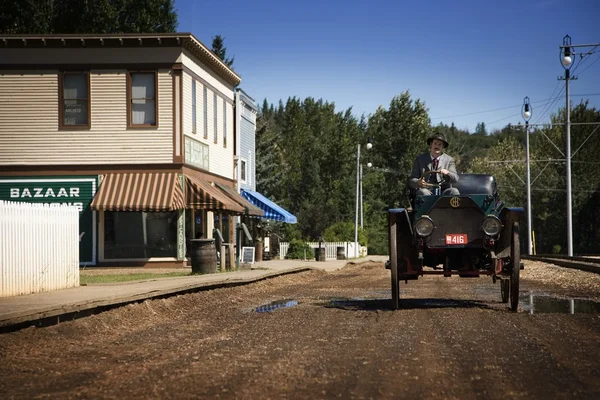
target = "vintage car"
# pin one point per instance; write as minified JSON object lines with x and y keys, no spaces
{"x":468,"y":235}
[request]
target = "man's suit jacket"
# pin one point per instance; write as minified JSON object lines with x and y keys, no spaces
{"x":423,"y":163}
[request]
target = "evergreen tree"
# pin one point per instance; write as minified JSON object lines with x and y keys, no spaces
{"x":399,"y":134}
{"x":269,"y":159}
{"x":480,"y":129}
{"x":551,"y":218}
{"x":218,"y":47}
{"x":26,"y":16}
{"x":87,"y":16}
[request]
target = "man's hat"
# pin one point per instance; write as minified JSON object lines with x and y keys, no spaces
{"x":437,"y":136}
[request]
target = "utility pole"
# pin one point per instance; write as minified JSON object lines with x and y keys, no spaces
{"x":566,"y":54}
{"x":567,"y":63}
{"x":526,"y":116}
{"x":357,"y":199}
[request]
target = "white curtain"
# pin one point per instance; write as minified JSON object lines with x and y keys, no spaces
{"x":75,"y":99}
{"x":143,"y":99}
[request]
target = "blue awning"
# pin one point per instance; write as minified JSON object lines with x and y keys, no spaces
{"x":272,"y":210}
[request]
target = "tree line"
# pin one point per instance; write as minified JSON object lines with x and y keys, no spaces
{"x":87,"y":16}
{"x":307,"y":154}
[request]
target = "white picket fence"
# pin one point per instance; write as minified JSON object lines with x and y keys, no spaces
{"x":39,"y":248}
{"x":330,"y":250}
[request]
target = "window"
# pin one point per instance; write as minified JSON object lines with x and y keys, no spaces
{"x":193,"y":105}
{"x":142,"y":100}
{"x":131,"y":234}
{"x":74,"y":95}
{"x":250,"y":164}
{"x":205,"y":107}
{"x":224,"y":123}
{"x":215,"y":126}
{"x":243,"y":171}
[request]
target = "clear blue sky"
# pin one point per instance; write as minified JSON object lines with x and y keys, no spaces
{"x":457,"y":56}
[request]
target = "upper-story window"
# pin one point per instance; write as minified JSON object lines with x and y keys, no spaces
{"x":193,"y":105}
{"x":224,"y":123}
{"x":205,"y":109}
{"x":215,"y":119}
{"x":243,"y":171}
{"x":74,"y":95}
{"x":142,"y":101}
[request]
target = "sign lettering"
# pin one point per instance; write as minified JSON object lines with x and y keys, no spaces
{"x":18,"y":193}
{"x":77,"y":191}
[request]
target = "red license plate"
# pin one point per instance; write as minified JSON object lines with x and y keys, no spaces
{"x":456,"y":238}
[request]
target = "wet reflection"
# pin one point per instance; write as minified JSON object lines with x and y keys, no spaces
{"x":541,"y":304}
{"x":275,"y":305}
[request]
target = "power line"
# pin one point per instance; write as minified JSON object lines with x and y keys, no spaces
{"x":588,"y":67}
{"x":582,"y":61}
{"x":549,"y":105}
{"x":518,"y":105}
{"x":487,"y":111}
{"x":502,"y":119}
{"x":546,"y":189}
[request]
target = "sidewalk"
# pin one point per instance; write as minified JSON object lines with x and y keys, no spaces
{"x":52,"y":307}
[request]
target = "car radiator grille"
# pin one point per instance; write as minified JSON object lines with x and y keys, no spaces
{"x":464,"y":220}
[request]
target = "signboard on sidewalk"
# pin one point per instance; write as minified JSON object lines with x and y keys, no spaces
{"x":248,"y":255}
{"x":77,"y":191}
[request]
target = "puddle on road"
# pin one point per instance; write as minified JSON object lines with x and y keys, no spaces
{"x":544,"y":304}
{"x":276,"y":305}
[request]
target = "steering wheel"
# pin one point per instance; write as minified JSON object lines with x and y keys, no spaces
{"x":433,"y":185}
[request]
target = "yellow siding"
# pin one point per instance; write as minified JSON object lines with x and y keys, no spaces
{"x":28,"y":109}
{"x":221,"y":160}
{"x":205,"y":73}
{"x":29,"y":123}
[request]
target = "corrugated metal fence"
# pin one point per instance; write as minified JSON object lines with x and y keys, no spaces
{"x":331,"y":249}
{"x":39,"y":248}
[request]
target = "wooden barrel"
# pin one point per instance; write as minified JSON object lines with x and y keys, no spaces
{"x":258,"y":252}
{"x":341,"y":253}
{"x":320,"y":254}
{"x":204,"y":256}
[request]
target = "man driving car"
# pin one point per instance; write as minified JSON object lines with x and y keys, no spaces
{"x":434,"y":160}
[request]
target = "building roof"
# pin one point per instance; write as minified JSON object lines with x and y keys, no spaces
{"x":249,"y":101}
{"x":182,"y":39}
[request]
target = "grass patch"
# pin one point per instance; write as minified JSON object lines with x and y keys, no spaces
{"x":115,"y":278}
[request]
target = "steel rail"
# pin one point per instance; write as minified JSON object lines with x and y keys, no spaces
{"x":583,"y":263}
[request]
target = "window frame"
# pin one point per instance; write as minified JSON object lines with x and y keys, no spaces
{"x":194,"y":106}
{"x":215,"y":118}
{"x":129,"y":80}
{"x":205,"y":110}
{"x":224,"y":123}
{"x":61,"y":101}
{"x":243,"y":170}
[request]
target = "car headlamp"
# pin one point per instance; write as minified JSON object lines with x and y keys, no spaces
{"x":424,"y":226}
{"x":491,"y":225}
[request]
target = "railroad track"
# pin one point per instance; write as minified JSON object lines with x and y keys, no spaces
{"x":583,"y":263}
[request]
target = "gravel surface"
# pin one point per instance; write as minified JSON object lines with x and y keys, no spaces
{"x":452,"y":339}
{"x":562,"y":280}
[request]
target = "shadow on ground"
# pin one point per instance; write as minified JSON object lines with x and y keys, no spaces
{"x":405,"y":304}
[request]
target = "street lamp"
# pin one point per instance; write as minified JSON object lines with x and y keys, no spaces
{"x":567,"y":63}
{"x":526,"y":112}
{"x":359,"y":194}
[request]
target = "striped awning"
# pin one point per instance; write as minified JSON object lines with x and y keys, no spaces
{"x":142,"y":191}
{"x":201,"y":194}
{"x":272,"y":210}
{"x":249,"y":208}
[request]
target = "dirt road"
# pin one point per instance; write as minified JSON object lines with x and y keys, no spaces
{"x":452,"y":339}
